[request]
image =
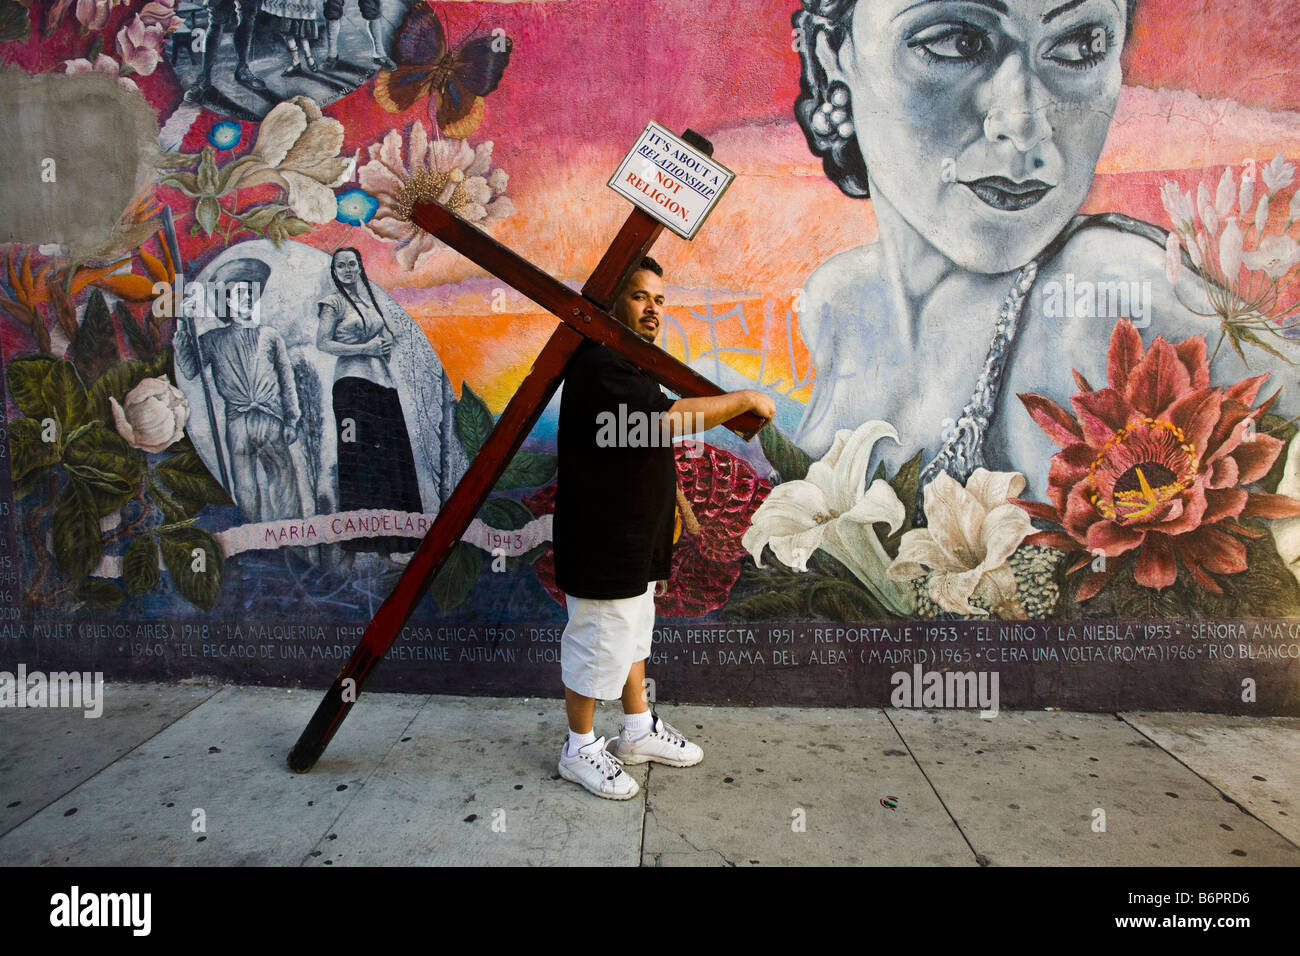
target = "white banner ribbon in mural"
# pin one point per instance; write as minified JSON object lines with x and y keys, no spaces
{"x":347,"y":525}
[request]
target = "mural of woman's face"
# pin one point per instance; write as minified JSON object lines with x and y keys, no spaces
{"x":347,"y":267}
{"x":981,"y":121}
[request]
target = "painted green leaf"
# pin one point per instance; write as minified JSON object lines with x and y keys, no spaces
{"x":790,"y":461}
{"x":99,"y":595}
{"x":194,"y":561}
{"x":504,"y":514}
{"x":140,"y":565}
{"x":161,"y":364}
{"x":190,"y":482}
{"x":116,"y":380}
{"x":26,"y":376}
{"x":107,"y":465}
{"x":30,"y":455}
{"x":177,"y":161}
{"x":140,"y":341}
{"x":31,"y":483}
{"x":207,"y":172}
{"x":186,"y":182}
{"x":229,"y":175}
{"x":532,"y":554}
{"x":769,"y":606}
{"x":206,"y":214}
{"x":1278,"y":427}
{"x":527,"y":470}
{"x":259,"y":217}
{"x":94,"y":347}
{"x":77,"y":542}
{"x":15,"y":21}
{"x":455,"y":579}
{"x":173,"y":510}
{"x":906,"y":484}
{"x":473,"y":420}
{"x":842,"y":601}
{"x":65,"y":398}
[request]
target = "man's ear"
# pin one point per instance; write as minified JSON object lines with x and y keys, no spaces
{"x":829,"y":60}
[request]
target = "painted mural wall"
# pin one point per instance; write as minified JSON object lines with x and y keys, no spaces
{"x":1018,"y":275}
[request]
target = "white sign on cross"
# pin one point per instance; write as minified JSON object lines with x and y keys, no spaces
{"x":671,"y":180}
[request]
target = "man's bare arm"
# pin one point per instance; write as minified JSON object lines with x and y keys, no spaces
{"x":689,"y":416}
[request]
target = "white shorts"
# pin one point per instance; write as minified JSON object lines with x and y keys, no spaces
{"x":602,"y":641}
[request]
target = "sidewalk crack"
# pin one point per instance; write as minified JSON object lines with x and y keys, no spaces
{"x":645,"y":808}
{"x":1223,"y":793}
{"x":122,"y":756}
{"x":980,"y":858}
{"x":362,"y":786}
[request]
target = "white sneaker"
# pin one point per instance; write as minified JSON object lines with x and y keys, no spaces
{"x":599,"y":771}
{"x":664,"y":744}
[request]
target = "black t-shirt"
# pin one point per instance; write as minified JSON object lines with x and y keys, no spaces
{"x":614,"y":506}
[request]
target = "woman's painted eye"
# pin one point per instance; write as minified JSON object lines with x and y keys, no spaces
{"x":1082,"y":48}
{"x":952,"y":43}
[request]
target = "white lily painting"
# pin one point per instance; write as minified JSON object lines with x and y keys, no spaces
{"x":834,"y":509}
{"x":966,"y":546}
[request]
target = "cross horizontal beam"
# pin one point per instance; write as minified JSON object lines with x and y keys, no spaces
{"x":572,"y":308}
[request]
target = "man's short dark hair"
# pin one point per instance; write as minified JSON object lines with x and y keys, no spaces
{"x":650,"y":265}
{"x":645,"y":265}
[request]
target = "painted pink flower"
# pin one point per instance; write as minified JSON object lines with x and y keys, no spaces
{"x":723,"y":492}
{"x":93,"y":14}
{"x":140,"y":44}
{"x":161,"y":13}
{"x":103,"y":64}
{"x":1156,"y":464}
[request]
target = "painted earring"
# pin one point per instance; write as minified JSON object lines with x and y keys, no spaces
{"x":833,"y":115}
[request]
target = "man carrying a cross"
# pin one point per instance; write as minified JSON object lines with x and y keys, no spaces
{"x":613,"y":531}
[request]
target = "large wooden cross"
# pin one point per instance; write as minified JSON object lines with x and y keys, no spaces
{"x":582,"y":316}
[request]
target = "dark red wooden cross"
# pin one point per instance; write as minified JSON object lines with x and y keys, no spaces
{"x":582,"y":316}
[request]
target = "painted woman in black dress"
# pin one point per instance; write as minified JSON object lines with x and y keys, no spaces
{"x":375,"y":466}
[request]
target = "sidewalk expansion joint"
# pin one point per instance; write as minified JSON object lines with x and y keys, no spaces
{"x":645,"y":808}
{"x":120,"y":756}
{"x":980,"y":858}
{"x":315,"y":847}
{"x":1222,"y":793}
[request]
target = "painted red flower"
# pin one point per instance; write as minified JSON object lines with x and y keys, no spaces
{"x":723,"y":492}
{"x":1156,"y":463}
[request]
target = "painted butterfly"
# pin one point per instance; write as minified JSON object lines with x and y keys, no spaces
{"x":455,"y":79}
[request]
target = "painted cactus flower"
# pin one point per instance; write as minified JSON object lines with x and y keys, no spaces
{"x":1155,"y":463}
{"x":446,"y":171}
{"x":834,"y":509}
{"x":966,"y":546}
{"x":723,"y":493}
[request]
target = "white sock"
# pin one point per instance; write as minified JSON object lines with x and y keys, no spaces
{"x":577,"y":741}
{"x":637,"y":726}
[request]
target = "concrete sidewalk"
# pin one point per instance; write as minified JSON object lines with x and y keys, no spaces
{"x":417,"y":779}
